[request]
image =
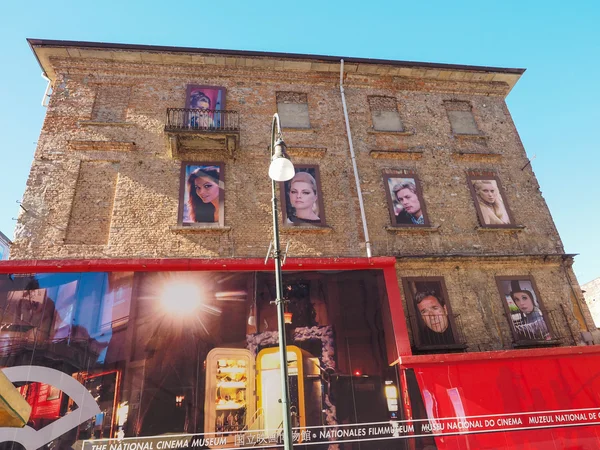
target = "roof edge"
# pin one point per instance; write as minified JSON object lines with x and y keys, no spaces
{"x":5,"y":238}
{"x":248,"y":53}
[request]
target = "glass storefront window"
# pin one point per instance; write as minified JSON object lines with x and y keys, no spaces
{"x":166,"y":360}
{"x":167,"y":353}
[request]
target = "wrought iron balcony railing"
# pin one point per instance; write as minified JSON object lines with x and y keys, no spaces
{"x":204,"y":120}
{"x":542,"y":331}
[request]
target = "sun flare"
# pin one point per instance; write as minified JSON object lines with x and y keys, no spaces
{"x":181,"y":298}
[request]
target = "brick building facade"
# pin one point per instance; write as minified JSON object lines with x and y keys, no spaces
{"x":420,"y":248}
{"x":105,"y":181}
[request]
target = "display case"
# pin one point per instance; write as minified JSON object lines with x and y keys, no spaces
{"x":305,"y":384}
{"x":230,"y":399}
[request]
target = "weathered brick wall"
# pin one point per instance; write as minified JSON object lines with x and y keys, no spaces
{"x":380,"y":103}
{"x":91,"y":211}
{"x":78,"y":129}
{"x":147,"y":191}
{"x":111,"y":103}
{"x":474,"y":296}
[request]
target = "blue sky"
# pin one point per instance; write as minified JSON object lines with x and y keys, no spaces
{"x":555,"y":105}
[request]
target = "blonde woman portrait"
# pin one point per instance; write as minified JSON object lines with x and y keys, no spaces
{"x":303,"y":206}
{"x":490,"y":202}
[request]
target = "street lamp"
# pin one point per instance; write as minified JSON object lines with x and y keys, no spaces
{"x":281,"y":169}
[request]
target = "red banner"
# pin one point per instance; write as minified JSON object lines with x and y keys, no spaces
{"x":525,"y":400}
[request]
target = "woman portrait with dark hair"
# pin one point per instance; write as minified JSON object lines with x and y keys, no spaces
{"x":203,"y":194}
{"x":202,"y":117}
{"x":531,"y":323}
{"x":199,"y":100}
{"x":203,"y":104}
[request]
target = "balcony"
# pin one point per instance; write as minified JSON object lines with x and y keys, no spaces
{"x":190,"y":131}
{"x":543,"y":332}
{"x":435,"y":333}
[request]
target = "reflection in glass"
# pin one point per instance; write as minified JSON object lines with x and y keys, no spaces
{"x":177,"y":352}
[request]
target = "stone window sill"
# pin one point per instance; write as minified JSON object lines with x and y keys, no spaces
{"x":396,"y":154}
{"x":300,"y":129}
{"x":413,"y":229}
{"x":477,"y":156}
{"x":307,"y":152}
{"x":116,"y":146}
{"x":470,"y":136}
{"x":90,"y":247}
{"x":533,"y":344}
{"x":395,"y":133}
{"x":198,"y":229}
{"x":85,"y":123}
{"x":504,"y":228}
{"x":306,"y":229}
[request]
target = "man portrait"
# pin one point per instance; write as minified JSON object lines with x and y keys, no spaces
{"x":524,"y":308}
{"x":432,"y":320}
{"x":489,"y":201}
{"x":406,"y":201}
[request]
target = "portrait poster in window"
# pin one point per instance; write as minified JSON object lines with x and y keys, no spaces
{"x":523,"y":306}
{"x":302,"y":200}
{"x":405,"y":201}
{"x":431,"y":315}
{"x":201,"y":196}
{"x":206,"y":101}
{"x":490,"y":202}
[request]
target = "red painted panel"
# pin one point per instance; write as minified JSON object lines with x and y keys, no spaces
{"x":396,"y":311}
{"x":545,"y":384}
{"x":149,"y":265}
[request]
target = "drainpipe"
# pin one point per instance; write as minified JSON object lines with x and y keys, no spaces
{"x":353,"y":157}
{"x":46,"y":97}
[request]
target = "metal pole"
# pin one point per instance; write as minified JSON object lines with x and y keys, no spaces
{"x":285,"y":390}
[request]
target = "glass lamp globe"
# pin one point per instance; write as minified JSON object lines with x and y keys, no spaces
{"x":281,"y":169}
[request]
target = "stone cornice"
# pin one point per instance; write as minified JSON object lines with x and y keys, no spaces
{"x":45,"y":50}
{"x":451,"y":259}
{"x":123,"y":73}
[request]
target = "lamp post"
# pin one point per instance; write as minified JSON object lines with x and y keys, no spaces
{"x":281,"y":169}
